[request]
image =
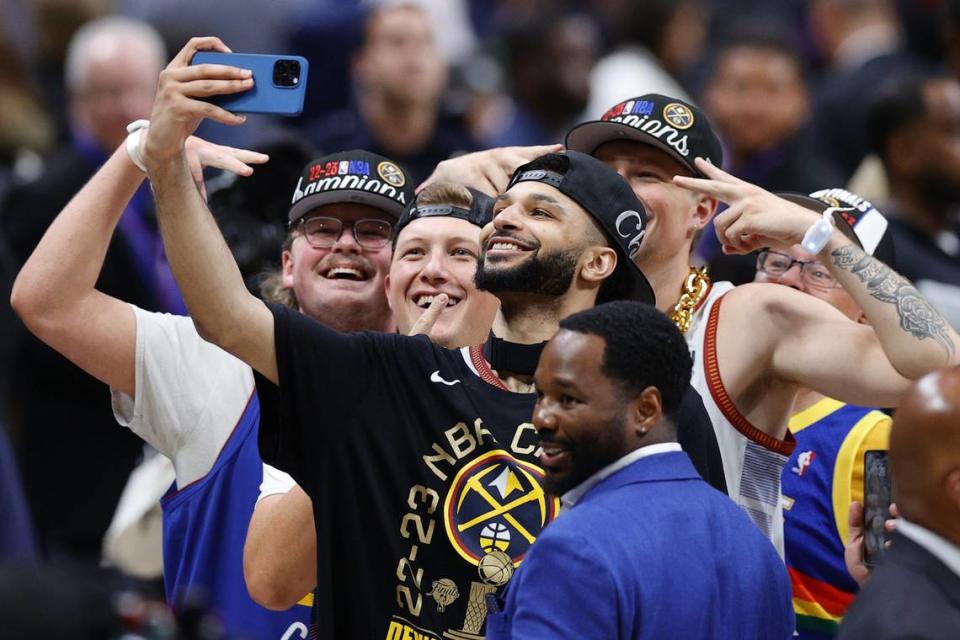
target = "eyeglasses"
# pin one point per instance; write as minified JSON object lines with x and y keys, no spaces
{"x":814,"y":274}
{"x":322,"y":232}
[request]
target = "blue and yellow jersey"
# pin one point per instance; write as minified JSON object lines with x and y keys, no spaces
{"x":823,"y":476}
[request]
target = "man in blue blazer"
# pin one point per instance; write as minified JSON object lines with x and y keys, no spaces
{"x":643,"y":548}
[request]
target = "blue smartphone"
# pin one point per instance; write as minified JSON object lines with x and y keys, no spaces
{"x":279,"y":82}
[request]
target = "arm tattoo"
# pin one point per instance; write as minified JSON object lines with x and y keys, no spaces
{"x":916,"y":314}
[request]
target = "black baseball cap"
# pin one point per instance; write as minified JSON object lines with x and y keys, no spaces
{"x":857,"y":218}
{"x":479,"y":213}
{"x":604,"y":195}
{"x":677,"y":127}
{"x":352,"y":176}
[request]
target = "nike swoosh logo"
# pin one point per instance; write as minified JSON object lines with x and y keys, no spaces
{"x":435,"y":377}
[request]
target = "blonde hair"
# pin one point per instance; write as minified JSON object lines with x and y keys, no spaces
{"x":273,"y":291}
{"x":449,"y":193}
{"x":271,"y":280}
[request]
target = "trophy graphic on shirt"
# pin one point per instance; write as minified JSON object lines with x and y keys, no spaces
{"x":495,"y":569}
{"x":494,"y":509}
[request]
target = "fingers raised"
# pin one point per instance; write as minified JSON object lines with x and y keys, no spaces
{"x":428,"y":318}
{"x":715,"y":188}
{"x":205,"y":154}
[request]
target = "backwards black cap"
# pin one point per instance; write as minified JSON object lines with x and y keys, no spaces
{"x":479,"y":213}
{"x":608,"y":198}
{"x":352,"y":176}
{"x":677,"y":127}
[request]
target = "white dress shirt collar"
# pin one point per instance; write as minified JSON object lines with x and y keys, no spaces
{"x":573,"y":496}
{"x":941,"y":548}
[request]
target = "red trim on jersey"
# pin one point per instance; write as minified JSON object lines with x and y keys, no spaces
{"x":174,"y":494}
{"x":833,"y":600}
{"x":720,"y":396}
{"x":483,"y":368}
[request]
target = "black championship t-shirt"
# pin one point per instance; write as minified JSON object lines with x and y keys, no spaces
{"x":423,"y":474}
{"x":424,"y":481}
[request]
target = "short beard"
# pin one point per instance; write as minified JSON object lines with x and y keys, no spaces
{"x":549,"y":275}
{"x":589,"y":456}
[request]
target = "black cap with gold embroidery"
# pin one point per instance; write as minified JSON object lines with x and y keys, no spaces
{"x":352,"y":176}
{"x":677,"y":127}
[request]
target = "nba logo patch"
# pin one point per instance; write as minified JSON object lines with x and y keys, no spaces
{"x":803,"y":462}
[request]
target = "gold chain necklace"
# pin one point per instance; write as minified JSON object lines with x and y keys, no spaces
{"x":694,"y":288}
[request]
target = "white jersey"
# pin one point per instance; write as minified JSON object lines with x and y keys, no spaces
{"x":752,"y":459}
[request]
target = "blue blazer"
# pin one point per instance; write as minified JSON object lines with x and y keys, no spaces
{"x":651,"y":551}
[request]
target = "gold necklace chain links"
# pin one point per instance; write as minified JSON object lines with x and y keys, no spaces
{"x":695,"y":287}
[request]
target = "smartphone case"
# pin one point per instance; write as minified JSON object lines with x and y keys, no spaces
{"x":265,"y":96}
{"x":877,"y":496}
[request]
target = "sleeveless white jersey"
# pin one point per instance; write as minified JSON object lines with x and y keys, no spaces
{"x":752,"y":460}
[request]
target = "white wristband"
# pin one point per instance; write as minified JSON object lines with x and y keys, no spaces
{"x":135,"y":132}
{"x":817,"y":236}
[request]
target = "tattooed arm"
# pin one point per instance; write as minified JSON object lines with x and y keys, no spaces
{"x":915,"y":337}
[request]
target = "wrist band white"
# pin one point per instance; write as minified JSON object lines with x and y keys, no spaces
{"x":817,"y":236}
{"x":135,"y":132}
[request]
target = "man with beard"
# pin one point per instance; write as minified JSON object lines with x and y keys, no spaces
{"x":435,"y":253}
{"x":420,"y":462}
{"x":913,"y":126}
{"x":752,"y":357}
{"x":608,"y":387}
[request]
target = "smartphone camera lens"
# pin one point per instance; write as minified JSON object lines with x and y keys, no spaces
{"x":286,"y":73}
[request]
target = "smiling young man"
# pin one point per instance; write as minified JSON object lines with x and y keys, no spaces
{"x":191,"y":401}
{"x":645,"y":548}
{"x":338,"y":269}
{"x":755,"y":346}
{"x":435,"y":254}
{"x":434,"y":484}
{"x":431,"y":290}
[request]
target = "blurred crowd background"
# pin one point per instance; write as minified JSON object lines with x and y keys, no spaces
{"x":806,"y":94}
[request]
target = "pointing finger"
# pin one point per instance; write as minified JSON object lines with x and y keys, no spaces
{"x":425,"y":322}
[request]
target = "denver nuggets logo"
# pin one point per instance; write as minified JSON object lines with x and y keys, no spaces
{"x":678,"y":115}
{"x":391,"y":174}
{"x":496,"y":505}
